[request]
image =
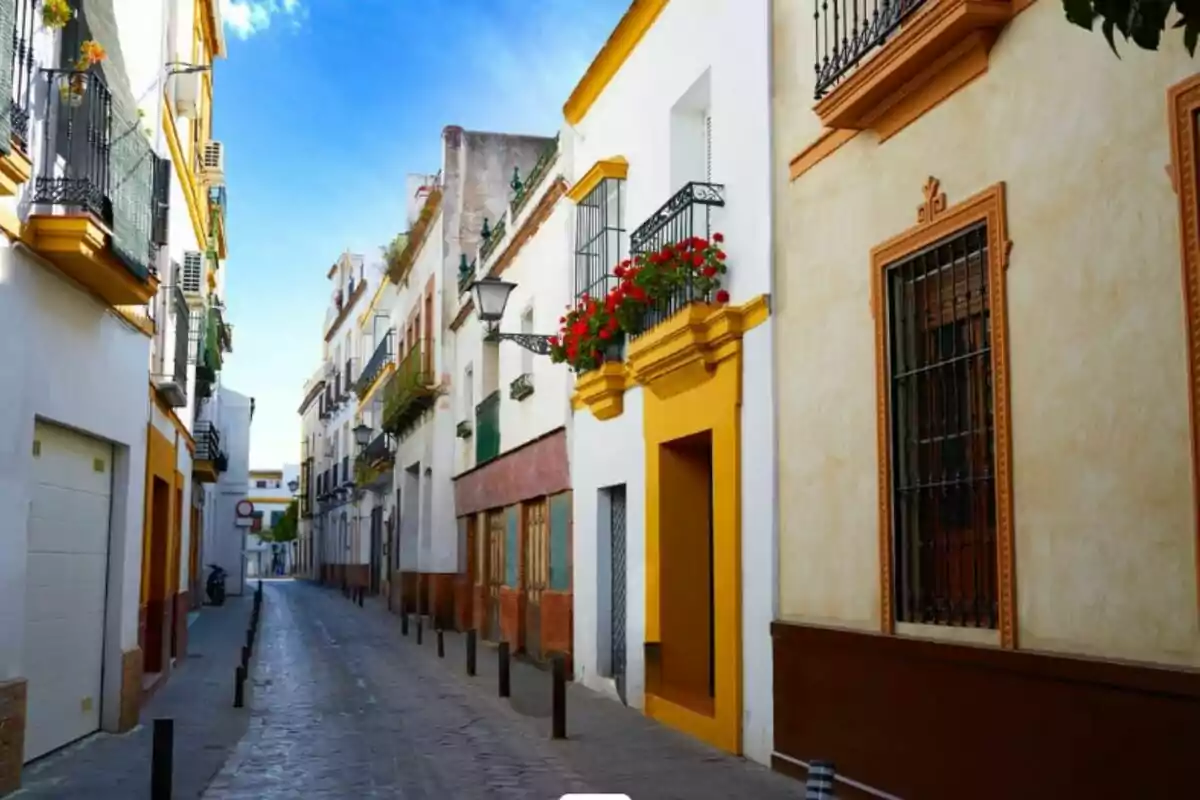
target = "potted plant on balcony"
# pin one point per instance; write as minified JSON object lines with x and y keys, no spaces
{"x":689,"y":269}
{"x":586,"y":332}
{"x":73,"y":85}
{"x":56,"y":14}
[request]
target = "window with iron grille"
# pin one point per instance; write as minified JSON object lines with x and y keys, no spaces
{"x":195,"y":333}
{"x":599,"y":237}
{"x":942,"y":433}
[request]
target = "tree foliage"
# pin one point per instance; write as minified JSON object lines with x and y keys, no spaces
{"x":286,"y":529}
{"x":1141,"y":21}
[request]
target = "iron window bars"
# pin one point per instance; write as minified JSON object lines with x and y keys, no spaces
{"x":208,"y":441}
{"x":846,"y":31}
{"x":598,"y":237}
{"x":688,"y":213}
{"x":942,"y":434}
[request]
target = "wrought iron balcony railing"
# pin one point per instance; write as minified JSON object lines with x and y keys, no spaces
{"x":487,"y":428}
{"x":25,"y":22}
{"x":375,"y":460}
{"x":523,"y":190}
{"x":107,"y":165}
{"x":409,"y":393}
{"x":846,"y":31}
{"x":385,"y":351}
{"x":687,"y":214}
{"x":208,"y":442}
{"x":466,"y":274}
{"x":495,"y":237}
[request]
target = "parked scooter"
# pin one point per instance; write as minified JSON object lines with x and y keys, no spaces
{"x":215,"y":587}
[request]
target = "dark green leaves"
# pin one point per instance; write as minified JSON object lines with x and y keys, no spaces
{"x":1139,"y":21}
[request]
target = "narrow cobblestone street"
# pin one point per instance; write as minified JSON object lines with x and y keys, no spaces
{"x":343,"y":705}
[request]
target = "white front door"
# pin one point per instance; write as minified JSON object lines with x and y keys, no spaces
{"x":66,"y":575}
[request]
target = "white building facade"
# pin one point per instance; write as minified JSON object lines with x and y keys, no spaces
{"x":672,"y":608}
{"x":336,"y":520}
{"x":96,"y":465}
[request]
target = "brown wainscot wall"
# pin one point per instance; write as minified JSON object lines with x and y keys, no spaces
{"x":12,"y":734}
{"x":535,"y":470}
{"x":928,"y":721}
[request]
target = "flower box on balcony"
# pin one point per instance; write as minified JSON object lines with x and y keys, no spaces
{"x":521,"y":387}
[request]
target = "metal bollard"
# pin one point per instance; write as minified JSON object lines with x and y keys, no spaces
{"x":558,"y":698}
{"x":420,"y":629}
{"x":819,"y":785}
{"x":441,"y":644}
{"x":404,"y":623}
{"x":239,"y":687}
{"x":245,"y":656}
{"x":502,"y":655}
{"x":361,"y":593}
{"x":162,"y":755}
{"x":471,"y":652}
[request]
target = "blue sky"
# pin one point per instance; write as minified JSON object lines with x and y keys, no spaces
{"x":324,"y":106}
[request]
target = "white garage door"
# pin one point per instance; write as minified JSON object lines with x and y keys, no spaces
{"x":65,"y":587}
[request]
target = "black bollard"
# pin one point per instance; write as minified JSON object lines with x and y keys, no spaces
{"x":245,"y":656}
{"x":250,"y":638}
{"x":404,"y":623}
{"x":441,"y":644}
{"x":819,"y":785}
{"x":420,"y":629}
{"x":239,"y":687}
{"x":361,"y":593}
{"x":471,"y":652}
{"x":162,"y":755}
{"x":502,"y":654}
{"x":558,"y":698}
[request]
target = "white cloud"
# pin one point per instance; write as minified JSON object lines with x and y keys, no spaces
{"x":244,"y":18}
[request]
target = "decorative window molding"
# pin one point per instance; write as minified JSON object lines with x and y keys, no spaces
{"x":938,"y":224}
{"x":1183,"y":102}
{"x":938,"y":49}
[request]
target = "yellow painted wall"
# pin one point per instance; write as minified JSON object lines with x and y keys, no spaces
{"x":160,"y":463}
{"x":699,"y":401}
{"x":1105,"y":540}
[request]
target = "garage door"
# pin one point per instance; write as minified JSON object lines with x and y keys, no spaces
{"x":65,"y":587}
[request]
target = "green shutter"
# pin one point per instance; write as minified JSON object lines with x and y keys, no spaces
{"x":7,"y":31}
{"x":512,"y":548}
{"x":131,"y":165}
{"x":560,"y":542}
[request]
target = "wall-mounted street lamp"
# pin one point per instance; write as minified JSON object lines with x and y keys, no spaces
{"x":491,"y":298}
{"x":293,"y":485}
{"x":362,"y":434}
{"x":184,"y":68}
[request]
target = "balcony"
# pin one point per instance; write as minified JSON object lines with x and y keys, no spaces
{"x":487,"y":428}
{"x":409,"y":393}
{"x":688,"y":213}
{"x":492,"y":239}
{"x":466,"y":274}
{"x":521,"y":387}
{"x":348,"y":379}
{"x":376,"y":461}
{"x":523,"y":190}
{"x":216,"y":219}
{"x":210,"y":459}
{"x":346,"y":478}
{"x":169,"y":368}
{"x":93,"y":199}
{"x":15,"y":167}
{"x":379,"y":363}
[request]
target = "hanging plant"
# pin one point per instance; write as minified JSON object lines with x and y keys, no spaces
{"x":73,"y":85}
{"x":56,"y":14}
{"x":587,"y":330}
{"x":650,"y":280}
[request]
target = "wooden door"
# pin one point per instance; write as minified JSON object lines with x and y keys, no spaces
{"x":537,"y":573}
{"x":495,"y":573}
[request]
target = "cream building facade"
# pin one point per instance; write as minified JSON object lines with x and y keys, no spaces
{"x":986,"y":412}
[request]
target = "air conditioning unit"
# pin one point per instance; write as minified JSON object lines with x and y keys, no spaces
{"x":212,"y":163}
{"x":186,"y":89}
{"x":193,"y":272}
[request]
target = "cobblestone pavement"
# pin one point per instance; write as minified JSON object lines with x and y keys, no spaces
{"x":199,"y":696}
{"x":344,"y":706}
